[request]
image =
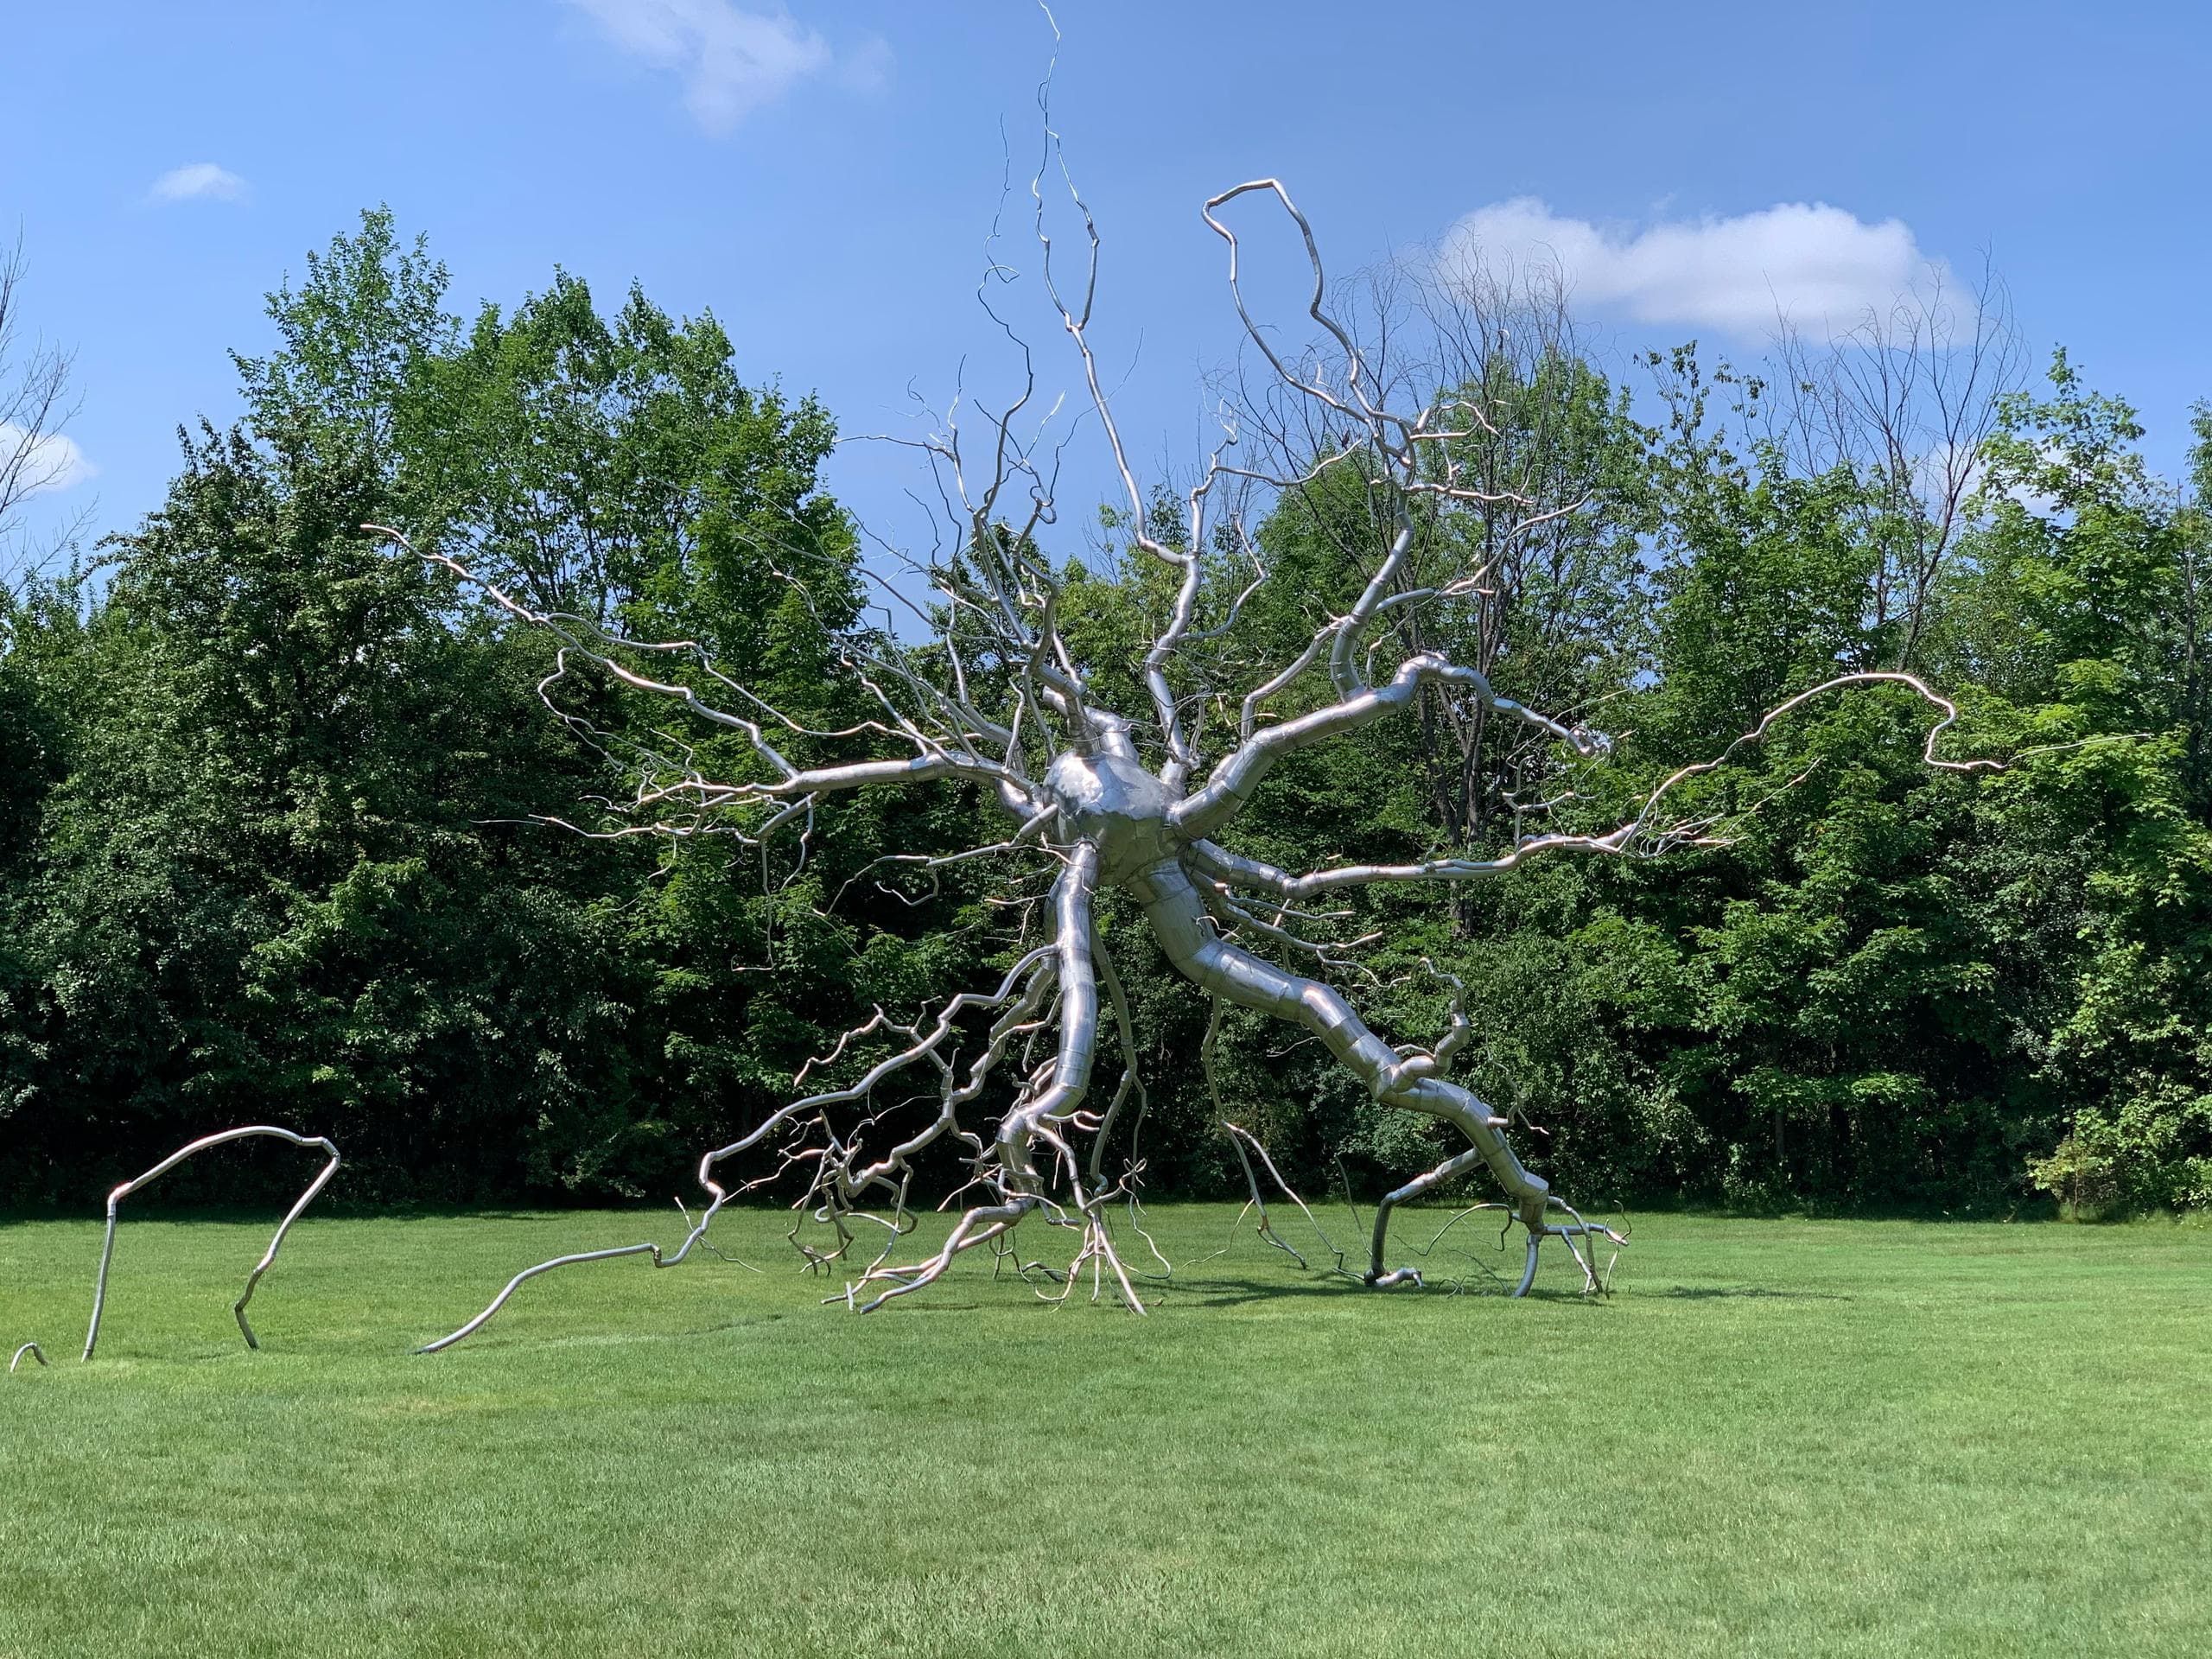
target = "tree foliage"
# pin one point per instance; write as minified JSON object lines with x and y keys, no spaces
{"x":275,"y":840}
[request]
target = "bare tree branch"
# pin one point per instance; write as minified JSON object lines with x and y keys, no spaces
{"x":35,"y":408}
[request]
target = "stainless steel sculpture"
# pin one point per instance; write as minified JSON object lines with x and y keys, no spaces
{"x":30,"y":1348}
{"x":107,"y":1247}
{"x":1097,"y":800}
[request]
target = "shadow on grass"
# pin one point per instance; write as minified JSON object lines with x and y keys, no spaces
{"x":1214,"y":1292}
{"x":1237,"y":1293}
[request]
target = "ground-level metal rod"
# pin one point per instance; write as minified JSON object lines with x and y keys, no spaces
{"x":107,"y":1246}
{"x":528,"y":1273}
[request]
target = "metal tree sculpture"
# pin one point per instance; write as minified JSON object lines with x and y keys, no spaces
{"x":1143,"y":805}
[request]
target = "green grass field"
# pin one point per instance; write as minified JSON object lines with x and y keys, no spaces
{"x":1776,"y":1438}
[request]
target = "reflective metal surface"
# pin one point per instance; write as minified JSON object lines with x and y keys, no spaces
{"x":237,"y":1308}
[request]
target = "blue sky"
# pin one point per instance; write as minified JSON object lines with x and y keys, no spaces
{"x":823,"y":177}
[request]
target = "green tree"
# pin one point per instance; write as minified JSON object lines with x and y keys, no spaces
{"x":298,"y":866}
{"x":2083,"y":612}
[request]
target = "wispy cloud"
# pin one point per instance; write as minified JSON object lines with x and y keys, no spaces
{"x":1808,"y":262}
{"x":41,"y":461}
{"x":198,"y":182}
{"x":732,"y":60}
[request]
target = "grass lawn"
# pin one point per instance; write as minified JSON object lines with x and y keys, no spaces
{"x":1776,"y":1438}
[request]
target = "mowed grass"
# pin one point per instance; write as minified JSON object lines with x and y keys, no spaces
{"x":1776,"y":1438}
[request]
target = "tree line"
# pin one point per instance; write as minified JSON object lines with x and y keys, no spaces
{"x":290,"y":833}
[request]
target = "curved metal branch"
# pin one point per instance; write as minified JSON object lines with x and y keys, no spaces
{"x":1629,"y":839}
{"x":34,"y":1351}
{"x":937,"y":757}
{"x":1054,"y":1101}
{"x":924,"y":1047}
{"x":1240,"y":1137}
{"x":1229,"y":788}
{"x":1179,"y":920}
{"x":1131,"y":1079}
{"x":107,"y":1247}
{"x":1355,"y":362}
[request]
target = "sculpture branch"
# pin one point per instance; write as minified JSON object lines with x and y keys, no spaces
{"x":237,"y":1308}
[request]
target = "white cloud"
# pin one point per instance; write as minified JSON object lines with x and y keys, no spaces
{"x":51,"y":461}
{"x":198,"y":182}
{"x":732,"y":60}
{"x":1809,"y":262}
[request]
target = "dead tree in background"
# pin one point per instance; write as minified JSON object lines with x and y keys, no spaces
{"x":1904,"y":401}
{"x":35,"y":407}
